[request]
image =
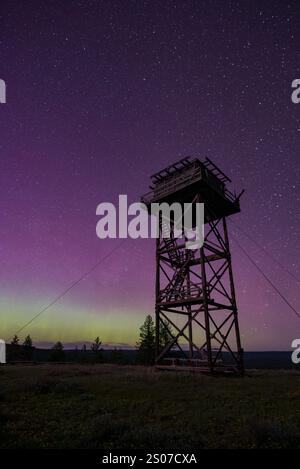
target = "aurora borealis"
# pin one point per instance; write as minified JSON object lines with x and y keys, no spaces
{"x":102,"y":94}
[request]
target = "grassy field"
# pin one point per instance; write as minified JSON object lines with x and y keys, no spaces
{"x":106,"y":406}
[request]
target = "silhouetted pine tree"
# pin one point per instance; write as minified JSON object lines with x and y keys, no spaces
{"x":14,"y":351}
{"x":57,"y":352}
{"x":97,"y":352}
{"x":146,"y":342}
{"x":27,"y":348}
{"x":15,"y":340}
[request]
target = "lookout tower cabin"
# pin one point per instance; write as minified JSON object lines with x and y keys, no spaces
{"x":183,"y":181}
{"x":195,"y":301}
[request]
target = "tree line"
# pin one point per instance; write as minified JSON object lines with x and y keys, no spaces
{"x":145,"y":347}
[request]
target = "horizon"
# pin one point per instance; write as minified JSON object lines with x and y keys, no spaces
{"x":110,"y":346}
{"x":107,"y":347}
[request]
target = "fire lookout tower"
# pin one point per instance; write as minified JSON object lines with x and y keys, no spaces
{"x":195,"y":294}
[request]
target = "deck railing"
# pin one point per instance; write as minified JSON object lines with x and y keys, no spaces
{"x":183,"y":179}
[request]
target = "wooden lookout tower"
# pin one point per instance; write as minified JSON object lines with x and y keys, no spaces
{"x":195,"y":295}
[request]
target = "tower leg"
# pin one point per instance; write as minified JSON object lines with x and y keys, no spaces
{"x":157,"y":295}
{"x":206,"y":310}
{"x":234,"y":305}
{"x":190,"y":328}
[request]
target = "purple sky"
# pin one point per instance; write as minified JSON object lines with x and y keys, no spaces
{"x":102,"y":94}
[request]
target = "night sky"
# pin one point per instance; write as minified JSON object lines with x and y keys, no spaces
{"x":101,"y":94}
